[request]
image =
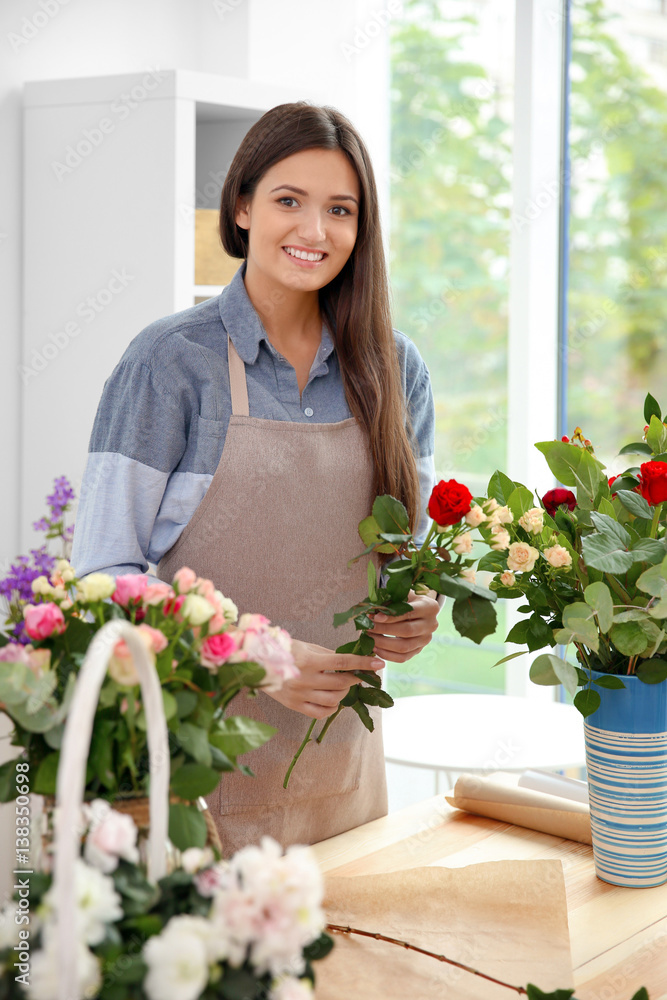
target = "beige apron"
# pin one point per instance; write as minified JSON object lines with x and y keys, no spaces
{"x":274,"y":532}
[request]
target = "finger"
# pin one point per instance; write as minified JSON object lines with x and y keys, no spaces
{"x":350,"y":661}
{"x":390,"y":644}
{"x":417,"y":626}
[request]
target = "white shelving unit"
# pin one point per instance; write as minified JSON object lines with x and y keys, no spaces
{"x":114,"y":169}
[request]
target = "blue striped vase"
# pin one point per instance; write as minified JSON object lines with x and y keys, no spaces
{"x":626,"y":759}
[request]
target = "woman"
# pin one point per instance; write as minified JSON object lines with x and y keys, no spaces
{"x":247,"y":437}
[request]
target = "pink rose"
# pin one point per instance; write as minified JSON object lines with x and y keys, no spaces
{"x":209,"y":881}
{"x":14,"y":652}
{"x":173,"y":605}
{"x":131,"y":587}
{"x":217,"y":649}
{"x":112,"y":835}
{"x":156,"y":593}
{"x":184,"y":580}
{"x":158,"y":641}
{"x":43,"y":620}
{"x":253,"y":622}
{"x":271,"y":648}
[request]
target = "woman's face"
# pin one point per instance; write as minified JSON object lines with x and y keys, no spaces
{"x":302,"y":220}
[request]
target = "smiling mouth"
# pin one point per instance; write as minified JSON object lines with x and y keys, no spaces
{"x":310,"y":256}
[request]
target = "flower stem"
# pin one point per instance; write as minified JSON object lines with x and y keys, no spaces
{"x":306,"y":740}
{"x":329,"y":721}
{"x":340,"y":929}
{"x":656,"y":520}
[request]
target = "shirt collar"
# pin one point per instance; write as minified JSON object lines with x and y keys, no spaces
{"x":244,"y":326}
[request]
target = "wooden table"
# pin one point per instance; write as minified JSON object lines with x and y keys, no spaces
{"x":618,"y":936}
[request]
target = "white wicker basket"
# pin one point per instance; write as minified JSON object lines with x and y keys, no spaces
{"x":72,"y":774}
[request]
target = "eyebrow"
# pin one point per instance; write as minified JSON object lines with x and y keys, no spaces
{"x":334,"y":197}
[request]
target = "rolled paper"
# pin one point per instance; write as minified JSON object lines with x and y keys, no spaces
{"x":497,"y":798}
{"x":555,"y":784}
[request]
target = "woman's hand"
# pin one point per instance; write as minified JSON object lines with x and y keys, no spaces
{"x":318,"y":690}
{"x":400,"y":638}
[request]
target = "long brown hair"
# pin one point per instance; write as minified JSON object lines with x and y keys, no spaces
{"x":356,"y":303}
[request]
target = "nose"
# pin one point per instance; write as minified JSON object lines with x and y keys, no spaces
{"x":312,"y":227}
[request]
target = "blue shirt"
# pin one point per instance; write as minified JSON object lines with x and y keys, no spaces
{"x":161,"y":424}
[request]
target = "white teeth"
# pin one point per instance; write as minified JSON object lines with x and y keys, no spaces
{"x":303,"y":254}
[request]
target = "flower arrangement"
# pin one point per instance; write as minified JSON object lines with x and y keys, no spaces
{"x":250,"y":927}
{"x":203,"y":658}
{"x":442,"y":563}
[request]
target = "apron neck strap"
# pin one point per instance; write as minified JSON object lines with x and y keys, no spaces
{"x":237,"y":382}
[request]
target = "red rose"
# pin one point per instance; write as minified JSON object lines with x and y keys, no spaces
{"x":553,"y":499}
{"x":449,"y":502}
{"x":610,"y":483}
{"x":653,"y":482}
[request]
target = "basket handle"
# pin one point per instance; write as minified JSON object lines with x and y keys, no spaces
{"x":71,"y":779}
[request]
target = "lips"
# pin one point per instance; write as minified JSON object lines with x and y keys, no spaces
{"x":305,"y":254}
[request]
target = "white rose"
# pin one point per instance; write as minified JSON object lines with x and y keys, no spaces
{"x":177,"y":961}
{"x":41,"y":586}
{"x":112,"y":835}
{"x":533,"y":520}
{"x":507,"y":579}
{"x":96,"y":587}
{"x":43,"y":984}
{"x":469,"y":574}
{"x":195,"y":858}
{"x":196,"y":609}
{"x":97,"y":902}
{"x":557,"y":556}
{"x":462,"y":544}
{"x":490,"y":505}
{"x":227,"y":607}
{"x":521,"y":557}
{"x":501,"y":515}
{"x":501,"y":537}
{"x":64,"y":570}
{"x":475,"y":516}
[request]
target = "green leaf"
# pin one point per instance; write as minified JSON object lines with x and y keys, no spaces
{"x":609,"y":681}
{"x":651,"y":408}
{"x":510,"y":656}
{"x":652,"y":581}
{"x":493,"y":562}
{"x":364,"y":715}
{"x":186,"y":702}
{"x":635,"y":503}
{"x":636,"y":448}
{"x":391,"y":515}
{"x":538,"y":634}
{"x":318,"y":949}
{"x":520,"y":501}
{"x":641,"y":994}
{"x":369,"y":530}
{"x":587,"y":702}
{"x":451,"y":586}
{"x":656,"y":435}
{"x":47,"y":772}
{"x":375,"y":696}
{"x":609,"y":527}
{"x":474,"y":618}
{"x":606,"y":507}
{"x":237,"y":984}
{"x":368,"y":677}
{"x":8,"y":790}
{"x":549,"y":669}
{"x":629,"y":638}
{"x":194,"y":741}
{"x":187,"y":826}
{"x":518,"y":632}
{"x":534,"y":993}
{"x":648,"y":550}
{"x":500,"y":488}
{"x":192,"y":780}
{"x":604,"y":552}
{"x":239,"y":734}
{"x":652,"y":671}
{"x":100,"y":755}
{"x":598,"y":597}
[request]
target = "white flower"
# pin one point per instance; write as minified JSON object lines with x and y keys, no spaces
{"x":271,"y":904}
{"x":9,"y":929}
{"x":43,"y":979}
{"x":195,"y":858}
{"x":462,"y":544}
{"x":96,"y":587}
{"x":557,"y":556}
{"x":507,"y":578}
{"x":196,"y":609}
{"x":41,"y":586}
{"x":501,"y":537}
{"x":475,"y":516}
{"x":532,"y":520}
{"x":469,"y":574}
{"x":521,"y":557}
{"x":490,"y":505}
{"x":112,"y":835}
{"x":64,"y":570}
{"x":290,"y":988}
{"x":227,"y":607}
{"x":97,"y":902}
{"x":501,"y":515}
{"x":177,"y":960}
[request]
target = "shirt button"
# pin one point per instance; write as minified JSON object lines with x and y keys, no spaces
{"x":308,"y":411}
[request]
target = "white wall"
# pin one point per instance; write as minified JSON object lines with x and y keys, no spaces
{"x":341,"y":48}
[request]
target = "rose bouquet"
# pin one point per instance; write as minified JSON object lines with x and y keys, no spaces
{"x":589,"y":563}
{"x":202,"y":658}
{"x":250,"y":927}
{"x":443,"y":563}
